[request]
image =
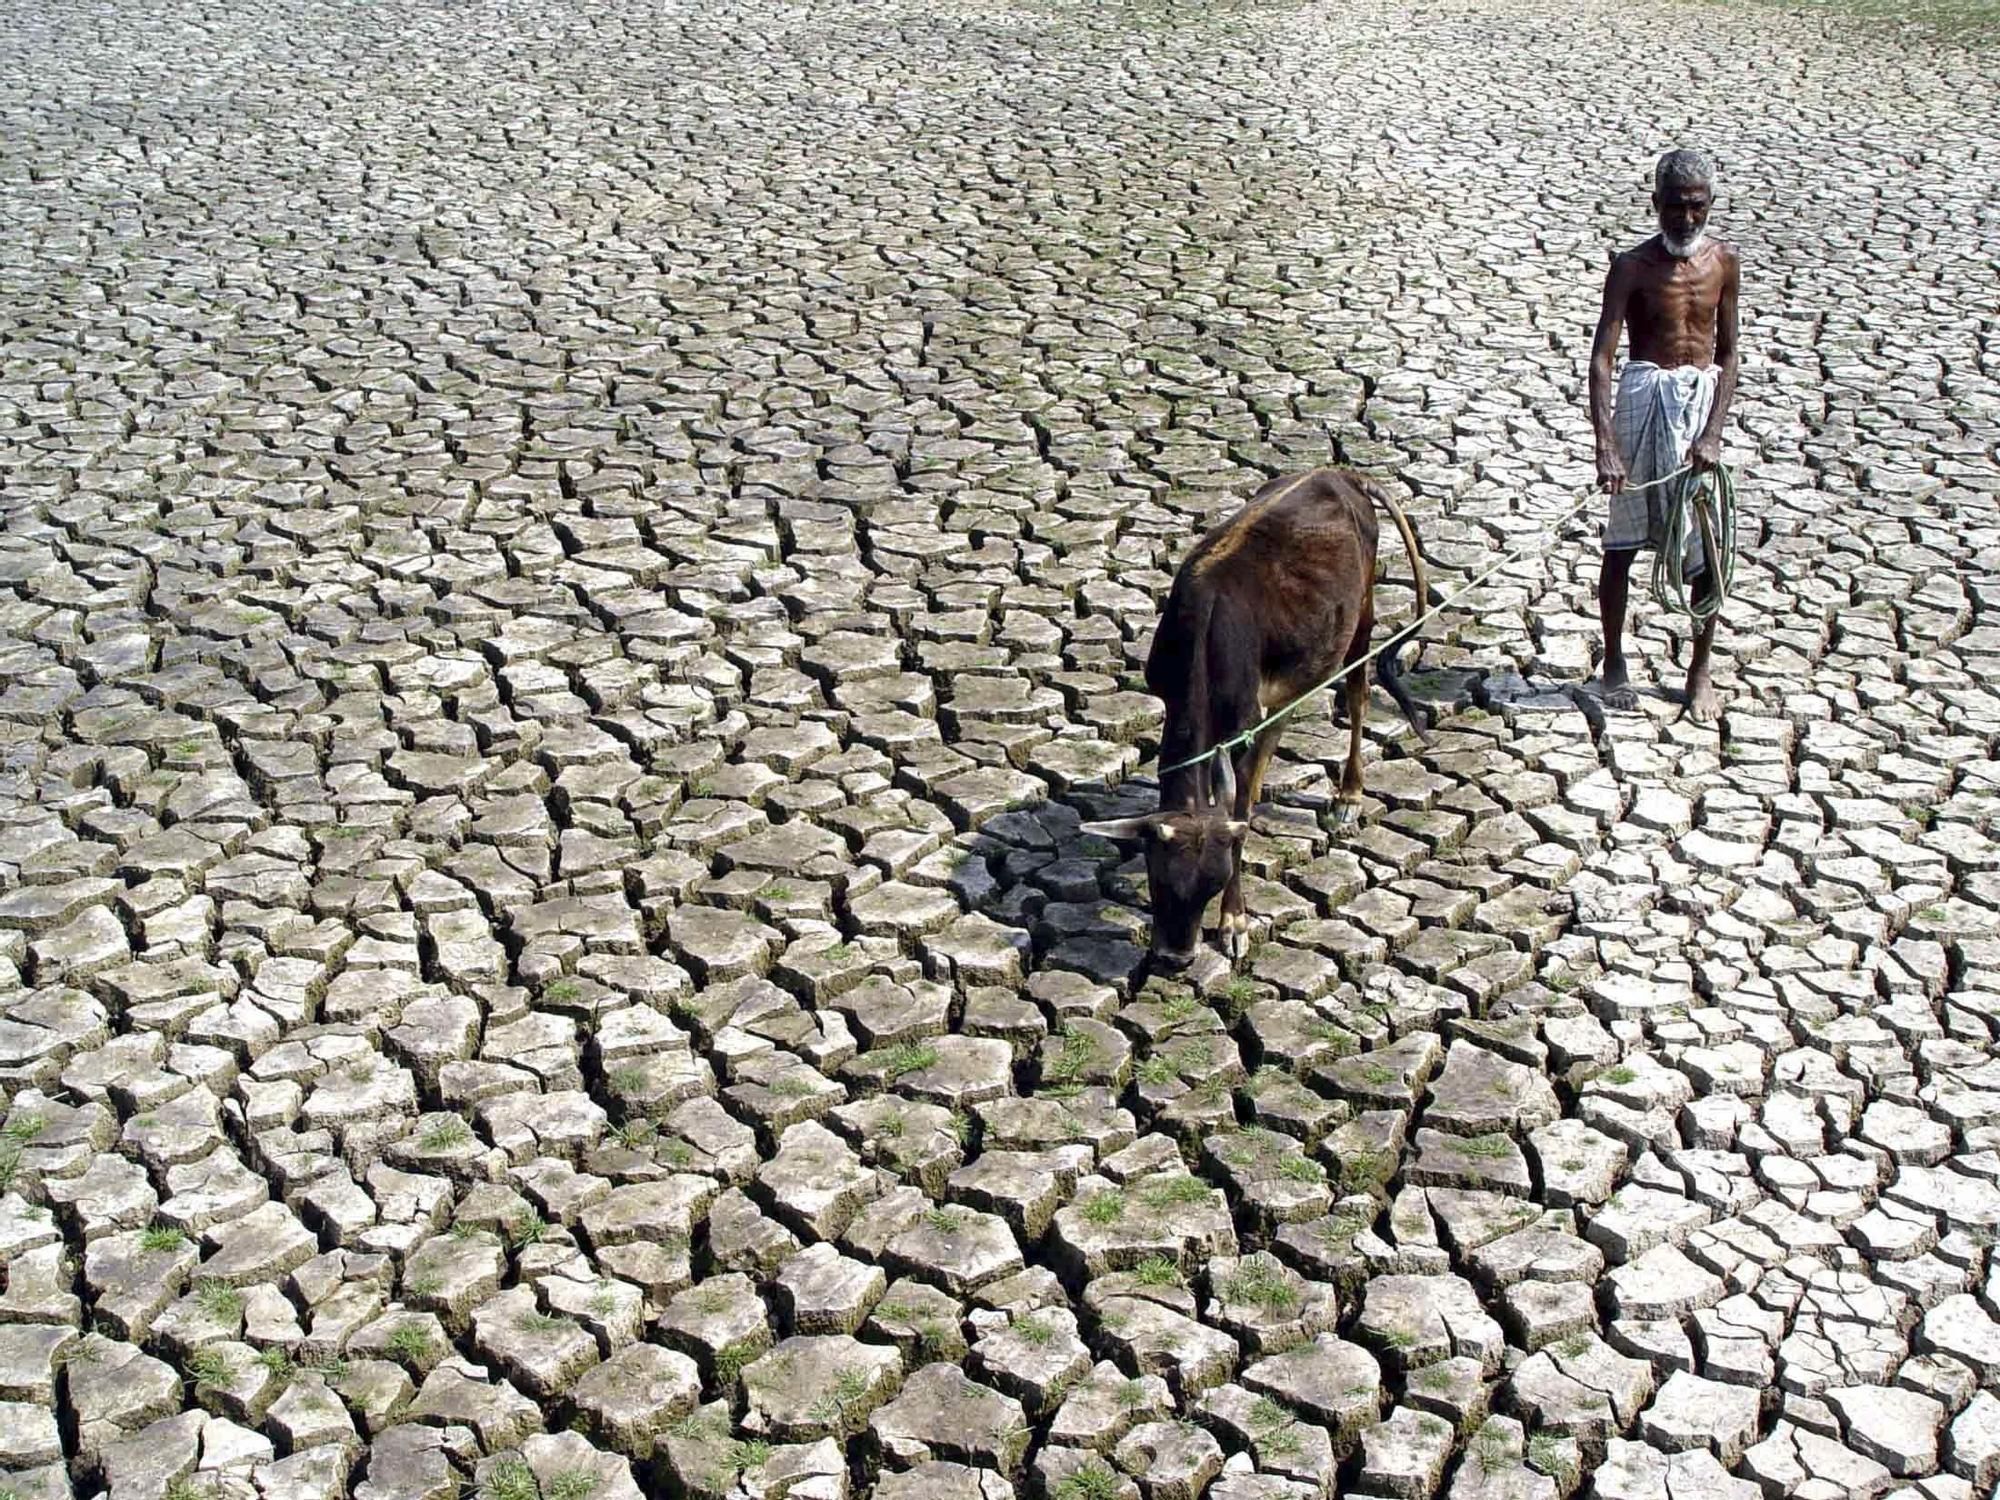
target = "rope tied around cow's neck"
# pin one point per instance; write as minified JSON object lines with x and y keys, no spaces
{"x":1705,"y":497}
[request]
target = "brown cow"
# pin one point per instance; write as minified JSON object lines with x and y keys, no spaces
{"x":1269,"y":604}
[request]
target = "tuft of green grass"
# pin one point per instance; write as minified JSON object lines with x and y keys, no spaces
{"x":411,"y":1343}
{"x":211,"y":1369}
{"x":1490,"y":1450}
{"x":848,"y":1387}
{"x":24,"y":1128}
{"x":1263,"y":1286}
{"x":945,"y":1220}
{"x":932,"y":1336}
{"x":1212,"y":1091}
{"x":1548,"y":1454}
{"x":85,"y":1353}
{"x":278,"y":1361}
{"x":527,"y":1229}
{"x":908,"y":1057}
{"x":1174,"y":1192}
{"x":219,"y":1300}
{"x":753,"y":1454}
{"x":698,"y":1426}
{"x":1103,"y":1208}
{"x":1034,"y":1331}
{"x":561,"y":990}
{"x":1266,"y":1414}
{"x":1181,"y":1008}
{"x":1302,"y":1169}
{"x":1363,"y":1170}
{"x":627,"y":1080}
{"x":1091,"y":1482}
{"x":161,"y":1237}
{"x":1486,"y":1147}
{"x":185,"y":1488}
{"x":1156,"y":1072}
{"x":446,"y":1135}
{"x":1619,"y":1076}
{"x":729,"y":1362}
{"x":510,"y":1479}
{"x":570,"y":1484}
{"x":1157,"y":1270}
{"x":1077,"y":1053}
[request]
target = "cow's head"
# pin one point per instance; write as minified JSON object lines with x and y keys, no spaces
{"x":1190,"y":852}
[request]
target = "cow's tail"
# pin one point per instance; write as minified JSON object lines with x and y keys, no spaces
{"x":1388,"y":666}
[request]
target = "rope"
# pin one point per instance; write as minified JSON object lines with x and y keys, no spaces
{"x":1707,"y":500}
{"x":1584,"y":497}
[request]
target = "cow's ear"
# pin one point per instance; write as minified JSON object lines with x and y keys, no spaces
{"x":1120,"y":828}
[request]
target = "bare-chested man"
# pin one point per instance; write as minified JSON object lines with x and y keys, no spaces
{"x":1677,"y":293}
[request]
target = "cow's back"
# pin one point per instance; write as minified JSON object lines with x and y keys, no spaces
{"x":1286,"y":577}
{"x":1302,"y":542}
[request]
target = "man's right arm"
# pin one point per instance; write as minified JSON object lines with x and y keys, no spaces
{"x":1603,"y":351}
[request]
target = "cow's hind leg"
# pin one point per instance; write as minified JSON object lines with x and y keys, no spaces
{"x":1235,"y":923}
{"x":1348,"y":805}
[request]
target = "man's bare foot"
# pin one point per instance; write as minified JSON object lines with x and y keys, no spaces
{"x":1704,"y":706}
{"x":1618,"y":692}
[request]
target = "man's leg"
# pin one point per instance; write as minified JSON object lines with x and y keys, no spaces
{"x":1703,"y":706}
{"x":1613,"y":581}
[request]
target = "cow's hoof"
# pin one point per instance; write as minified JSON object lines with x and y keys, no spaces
{"x":1345,"y":812}
{"x":1234,"y":935}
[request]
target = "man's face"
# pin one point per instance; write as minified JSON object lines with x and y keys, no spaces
{"x":1683,"y":212}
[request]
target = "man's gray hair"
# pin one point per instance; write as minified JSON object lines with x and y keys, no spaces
{"x":1684,"y":169}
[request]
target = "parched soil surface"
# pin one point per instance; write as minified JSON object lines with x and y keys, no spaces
{"x":569,"y":571}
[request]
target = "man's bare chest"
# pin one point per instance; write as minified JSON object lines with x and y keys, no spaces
{"x":1677,"y":299}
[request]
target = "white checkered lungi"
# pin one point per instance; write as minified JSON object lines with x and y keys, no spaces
{"x":1659,"y":414}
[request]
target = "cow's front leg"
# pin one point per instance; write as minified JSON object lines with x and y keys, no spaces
{"x":1234,"y":929}
{"x":1235,"y":924}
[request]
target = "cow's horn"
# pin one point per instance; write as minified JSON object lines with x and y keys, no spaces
{"x":1225,"y":782}
{"x":1116,"y":828}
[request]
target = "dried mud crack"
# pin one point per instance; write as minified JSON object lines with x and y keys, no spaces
{"x":569,"y":573}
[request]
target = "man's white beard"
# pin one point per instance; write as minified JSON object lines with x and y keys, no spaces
{"x":1682,"y":249}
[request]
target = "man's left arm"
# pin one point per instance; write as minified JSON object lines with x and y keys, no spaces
{"x":1707,"y":450}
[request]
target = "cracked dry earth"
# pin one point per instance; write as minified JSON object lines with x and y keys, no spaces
{"x":569,"y":571}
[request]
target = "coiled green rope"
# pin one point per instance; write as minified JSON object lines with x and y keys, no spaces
{"x":1704,"y":500}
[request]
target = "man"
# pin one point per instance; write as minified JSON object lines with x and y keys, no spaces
{"x":1677,"y":293}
